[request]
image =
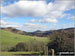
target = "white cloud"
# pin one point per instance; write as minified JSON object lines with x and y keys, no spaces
{"x":33,"y":20}
{"x":69,"y":16}
{"x":63,"y":5}
{"x":8,"y":24}
{"x":26,"y":8}
{"x":67,"y":25}
{"x":44,"y":20}
{"x":56,"y":9}
{"x":25,"y":27}
{"x":2,"y":22}
{"x":48,"y":20}
{"x":38,"y":9}
{"x":34,"y":27}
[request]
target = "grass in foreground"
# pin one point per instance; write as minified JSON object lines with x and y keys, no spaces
{"x":19,"y":53}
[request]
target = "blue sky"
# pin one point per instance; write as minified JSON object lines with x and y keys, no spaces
{"x":37,"y":15}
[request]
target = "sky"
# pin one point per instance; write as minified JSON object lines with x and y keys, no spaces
{"x":32,"y":15}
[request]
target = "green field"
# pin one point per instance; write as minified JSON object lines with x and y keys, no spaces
{"x":9,"y":39}
{"x":19,"y":53}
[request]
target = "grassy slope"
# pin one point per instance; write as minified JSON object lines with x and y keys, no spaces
{"x":9,"y":39}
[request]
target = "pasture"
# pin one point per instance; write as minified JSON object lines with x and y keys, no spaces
{"x":9,"y":40}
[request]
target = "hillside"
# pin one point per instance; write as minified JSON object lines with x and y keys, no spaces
{"x":9,"y":39}
{"x":47,"y":33}
{"x":59,"y":40}
{"x":14,"y":30}
{"x":38,"y":32}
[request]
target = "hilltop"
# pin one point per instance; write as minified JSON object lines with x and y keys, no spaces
{"x":38,"y":32}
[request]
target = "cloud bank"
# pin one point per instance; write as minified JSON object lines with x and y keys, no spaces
{"x":49,"y":13}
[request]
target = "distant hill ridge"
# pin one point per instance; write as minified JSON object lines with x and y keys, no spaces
{"x":38,"y":32}
{"x":14,"y":30}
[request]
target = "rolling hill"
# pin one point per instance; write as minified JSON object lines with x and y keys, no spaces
{"x":49,"y":32}
{"x":38,"y":33}
{"x":10,"y":39}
